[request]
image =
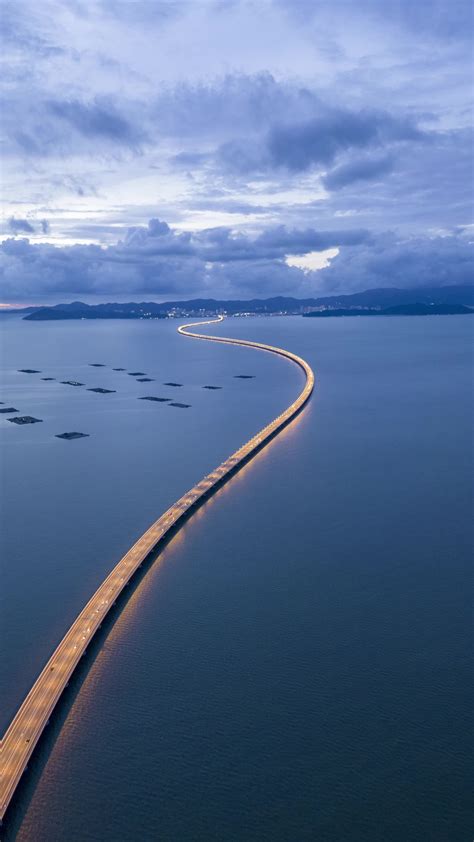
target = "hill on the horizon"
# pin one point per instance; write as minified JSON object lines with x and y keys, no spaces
{"x":373,"y":298}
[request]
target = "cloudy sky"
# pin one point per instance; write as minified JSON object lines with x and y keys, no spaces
{"x":157,"y":149}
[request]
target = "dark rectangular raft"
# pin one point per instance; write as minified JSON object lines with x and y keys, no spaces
{"x":69,"y":436}
{"x":25,"y":419}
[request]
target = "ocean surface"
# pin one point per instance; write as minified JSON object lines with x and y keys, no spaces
{"x":295,"y":664}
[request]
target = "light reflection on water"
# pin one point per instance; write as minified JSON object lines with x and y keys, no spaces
{"x":289,"y":667}
{"x":87,"y":501}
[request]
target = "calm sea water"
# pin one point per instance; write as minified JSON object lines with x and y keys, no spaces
{"x":295,"y":664}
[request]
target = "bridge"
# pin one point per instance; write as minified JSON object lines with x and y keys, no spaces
{"x":33,"y":715}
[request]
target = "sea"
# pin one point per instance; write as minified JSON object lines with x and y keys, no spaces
{"x":295,"y":664}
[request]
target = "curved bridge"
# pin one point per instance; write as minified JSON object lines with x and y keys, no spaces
{"x":30,"y":720}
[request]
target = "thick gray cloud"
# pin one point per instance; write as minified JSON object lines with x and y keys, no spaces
{"x":23,"y":226}
{"x":98,"y":119}
{"x":389,"y":261}
{"x":318,"y":141}
{"x":256,"y":129}
{"x":45,"y":128}
{"x":284,"y":240}
{"x":263,"y":125}
{"x":297,"y":145}
{"x":45,"y":272}
{"x":360,"y":169}
{"x":158,"y":262}
{"x":18,"y":226}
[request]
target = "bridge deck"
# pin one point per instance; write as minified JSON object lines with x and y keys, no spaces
{"x":31,"y":718}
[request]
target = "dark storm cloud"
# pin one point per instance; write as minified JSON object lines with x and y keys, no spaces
{"x":302,"y":116}
{"x":23,"y":226}
{"x":237,"y":124}
{"x":186,"y":114}
{"x":361,"y":169}
{"x":295,"y":241}
{"x":390,"y":261}
{"x":20,"y":226}
{"x":47,"y":128}
{"x":156,"y":261}
{"x":298,"y":146}
{"x":318,"y":141}
{"x":99,"y":118}
{"x":224,"y":245}
{"x":428,"y":187}
{"x":41,"y":271}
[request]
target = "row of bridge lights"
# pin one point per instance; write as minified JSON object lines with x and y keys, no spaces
{"x":212,"y":478}
{"x":224,"y":468}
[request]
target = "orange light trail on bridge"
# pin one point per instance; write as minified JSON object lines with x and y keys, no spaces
{"x":33,"y":715}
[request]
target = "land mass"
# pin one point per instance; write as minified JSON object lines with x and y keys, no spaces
{"x":373,"y":299}
{"x":400,"y":310}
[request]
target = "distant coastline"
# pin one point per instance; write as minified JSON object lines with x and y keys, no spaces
{"x":400,"y":310}
{"x":385,"y":301}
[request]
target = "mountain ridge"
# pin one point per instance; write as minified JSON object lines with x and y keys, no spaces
{"x":378,"y":298}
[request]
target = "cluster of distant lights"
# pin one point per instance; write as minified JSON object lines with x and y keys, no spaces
{"x":31,"y":718}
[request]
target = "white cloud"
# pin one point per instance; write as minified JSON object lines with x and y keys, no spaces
{"x":312,"y":260}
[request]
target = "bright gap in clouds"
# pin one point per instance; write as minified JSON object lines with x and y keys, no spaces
{"x":312,"y":260}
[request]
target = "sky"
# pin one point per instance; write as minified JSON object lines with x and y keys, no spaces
{"x":170,"y":149}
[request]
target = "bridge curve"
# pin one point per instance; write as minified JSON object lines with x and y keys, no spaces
{"x":33,"y":715}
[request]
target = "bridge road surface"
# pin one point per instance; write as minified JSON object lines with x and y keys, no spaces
{"x":33,"y":715}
